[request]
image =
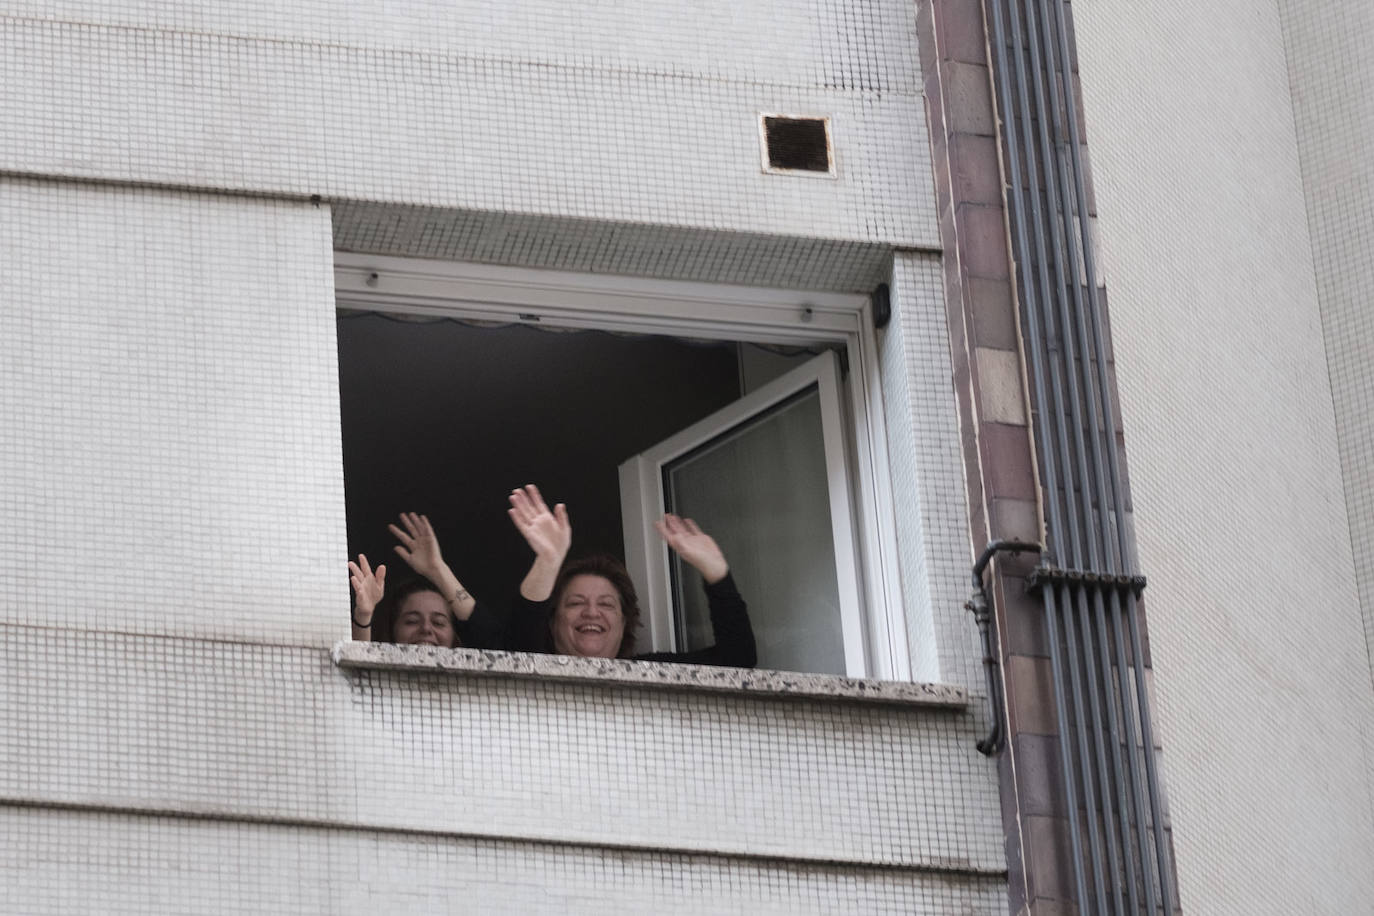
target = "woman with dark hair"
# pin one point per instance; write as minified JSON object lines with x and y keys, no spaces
{"x":434,"y":610}
{"x":588,"y":607}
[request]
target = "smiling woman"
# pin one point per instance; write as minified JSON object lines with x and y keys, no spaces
{"x":421,"y":618}
{"x":433,"y":611}
{"x":588,"y":607}
{"x":595,"y":613}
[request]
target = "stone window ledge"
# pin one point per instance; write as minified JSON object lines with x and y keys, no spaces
{"x":651,"y":675}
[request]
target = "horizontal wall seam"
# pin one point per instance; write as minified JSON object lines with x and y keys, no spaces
{"x":532,"y":64}
{"x":949,"y":870}
{"x":172,"y":637}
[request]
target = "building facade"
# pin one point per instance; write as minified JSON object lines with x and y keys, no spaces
{"x":205,"y":203}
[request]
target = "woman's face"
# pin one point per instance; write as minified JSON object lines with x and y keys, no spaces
{"x":423,"y":619}
{"x":588,"y":620}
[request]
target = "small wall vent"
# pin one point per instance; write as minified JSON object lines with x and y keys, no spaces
{"x":796,"y":145}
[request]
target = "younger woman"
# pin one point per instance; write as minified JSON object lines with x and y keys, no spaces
{"x":435,"y":610}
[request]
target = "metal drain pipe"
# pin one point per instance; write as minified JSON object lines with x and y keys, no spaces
{"x":981,"y":607}
{"x":1098,"y":780}
{"x":1010,"y":83}
{"x":1090,"y":603}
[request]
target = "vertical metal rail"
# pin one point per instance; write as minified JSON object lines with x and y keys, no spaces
{"x":1087,"y":576}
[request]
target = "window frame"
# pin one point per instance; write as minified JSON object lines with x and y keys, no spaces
{"x":410,"y":286}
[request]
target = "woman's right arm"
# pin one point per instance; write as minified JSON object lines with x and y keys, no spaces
{"x":367,"y":592}
{"x":549,"y":534}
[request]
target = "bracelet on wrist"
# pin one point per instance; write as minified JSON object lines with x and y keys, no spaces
{"x":362,"y":626}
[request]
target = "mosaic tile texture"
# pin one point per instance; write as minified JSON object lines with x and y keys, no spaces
{"x":242,"y":731}
{"x":1333,"y":107}
{"x":927,"y":475}
{"x":1262,"y":679}
{"x":610,"y":141}
{"x":129,"y":864}
{"x":171,"y":459}
{"x":863,"y":45}
{"x":626,"y":249}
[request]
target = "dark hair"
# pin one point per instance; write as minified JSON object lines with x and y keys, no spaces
{"x":614,"y":572}
{"x":388,"y":609}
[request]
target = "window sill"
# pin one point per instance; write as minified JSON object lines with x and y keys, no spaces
{"x":660,"y":675}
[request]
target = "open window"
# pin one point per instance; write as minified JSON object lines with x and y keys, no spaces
{"x":458,"y":382}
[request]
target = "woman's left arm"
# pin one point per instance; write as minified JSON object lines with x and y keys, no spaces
{"x":695,"y":546}
{"x":419,"y":547}
{"x":734,"y":635}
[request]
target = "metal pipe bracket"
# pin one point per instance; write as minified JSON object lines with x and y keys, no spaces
{"x":1043,"y":576}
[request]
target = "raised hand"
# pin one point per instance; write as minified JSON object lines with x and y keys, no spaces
{"x":367,"y":588}
{"x":419,"y":545}
{"x":549,"y":533}
{"x":694,"y":546}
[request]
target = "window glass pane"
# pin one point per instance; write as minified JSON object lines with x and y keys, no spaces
{"x":761,"y":490}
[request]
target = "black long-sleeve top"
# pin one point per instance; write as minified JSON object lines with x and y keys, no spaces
{"x":484,"y":629}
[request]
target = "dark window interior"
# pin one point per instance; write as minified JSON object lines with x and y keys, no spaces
{"x":445,"y":418}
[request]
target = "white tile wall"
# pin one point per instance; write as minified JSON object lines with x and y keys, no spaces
{"x":927,"y":475}
{"x":171,"y":460}
{"x":1261,"y":672}
{"x":466,"y":130}
{"x":85,"y":862}
{"x":1332,"y":77}
{"x":865,"y":45}
{"x":275,"y":732}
